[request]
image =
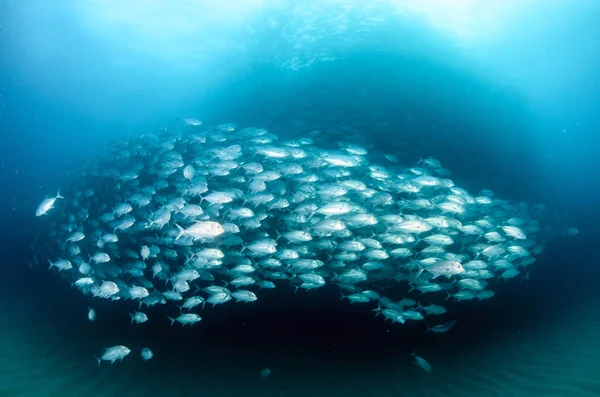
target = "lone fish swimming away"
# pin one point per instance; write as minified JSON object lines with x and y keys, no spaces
{"x":421,"y":363}
{"x":47,"y":204}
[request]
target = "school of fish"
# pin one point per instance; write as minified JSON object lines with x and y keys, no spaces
{"x":211,"y":215}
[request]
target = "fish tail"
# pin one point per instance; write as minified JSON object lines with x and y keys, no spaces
{"x":181,"y":232}
{"x":172,"y":320}
{"x":58,"y":195}
{"x":97,"y":359}
{"x":378,"y":310}
{"x":51,"y":264}
{"x":420,"y":271}
{"x":132,"y":318}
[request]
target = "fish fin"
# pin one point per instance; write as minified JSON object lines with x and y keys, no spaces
{"x":181,"y":232}
{"x":421,"y":269}
{"x":172,"y":320}
{"x":58,"y":195}
{"x":97,"y":359}
{"x":378,"y":310}
{"x":132,"y":318}
{"x":51,"y":264}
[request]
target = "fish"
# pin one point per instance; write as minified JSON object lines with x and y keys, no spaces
{"x":61,"y":264}
{"x":199,"y":214}
{"x":445,"y":327}
{"x":91,"y":314}
{"x":113,"y":354}
{"x":445,"y":268}
{"x":514,"y":231}
{"x":146,"y":354}
{"x":421,"y":363}
{"x":244,"y":296}
{"x":264,"y":373}
{"x":433,"y":309}
{"x":201,"y":230}
{"x":184,"y":319}
{"x":192,"y":302}
{"x":138,"y":317}
{"x":47,"y":204}
{"x":191,"y":121}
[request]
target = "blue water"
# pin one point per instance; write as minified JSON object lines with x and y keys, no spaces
{"x":512,"y":105}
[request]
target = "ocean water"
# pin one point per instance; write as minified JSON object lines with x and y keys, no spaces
{"x":506,"y":95}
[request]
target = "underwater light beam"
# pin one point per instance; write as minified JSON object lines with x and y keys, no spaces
{"x":165,"y":27}
{"x":469,"y":21}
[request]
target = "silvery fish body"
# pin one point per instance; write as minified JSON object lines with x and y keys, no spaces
{"x":47,"y":204}
{"x":138,"y":317}
{"x":185,"y":319}
{"x":91,"y":315}
{"x":201,"y":230}
{"x":113,"y":354}
{"x":422,"y":363}
{"x":146,"y":354}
